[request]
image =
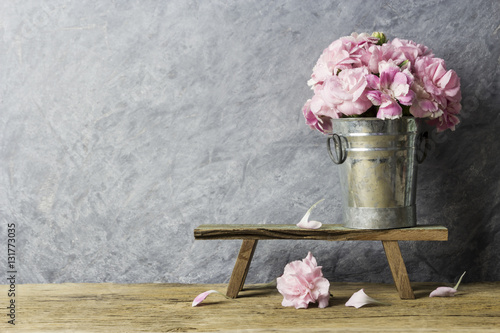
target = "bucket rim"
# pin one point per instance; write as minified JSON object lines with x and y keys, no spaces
{"x":374,"y":119}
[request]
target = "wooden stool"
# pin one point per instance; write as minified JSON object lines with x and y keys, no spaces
{"x":251,"y":233}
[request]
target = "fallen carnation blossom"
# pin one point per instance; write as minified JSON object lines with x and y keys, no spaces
{"x":360,"y":298}
{"x":302,"y":283}
{"x":305,"y":223}
{"x":201,"y":297}
{"x":446,"y":291}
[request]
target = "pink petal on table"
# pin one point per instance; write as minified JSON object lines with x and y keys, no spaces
{"x":359,"y":299}
{"x":309,"y":224}
{"x":443,"y":292}
{"x":305,"y":223}
{"x":201,"y":297}
{"x":446,"y":291}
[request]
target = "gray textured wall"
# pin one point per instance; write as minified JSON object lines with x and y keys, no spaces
{"x":125,"y":124}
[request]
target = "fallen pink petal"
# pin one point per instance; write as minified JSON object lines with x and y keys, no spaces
{"x":305,"y":223}
{"x":443,"y":292}
{"x":310,"y":225}
{"x":201,"y":297}
{"x":360,"y":298}
{"x":446,"y":291}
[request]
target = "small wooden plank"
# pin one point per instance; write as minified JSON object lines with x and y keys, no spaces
{"x":398,"y":269}
{"x":330,"y":232}
{"x":241,"y":267}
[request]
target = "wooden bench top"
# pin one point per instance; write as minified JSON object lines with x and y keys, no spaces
{"x":329,"y":232}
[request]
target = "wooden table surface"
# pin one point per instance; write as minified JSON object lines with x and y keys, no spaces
{"x":167,"y":308}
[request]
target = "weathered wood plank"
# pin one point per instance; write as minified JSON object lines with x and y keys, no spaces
{"x":398,"y":269}
{"x":241,"y":267}
{"x":330,"y":232}
{"x":167,"y":308}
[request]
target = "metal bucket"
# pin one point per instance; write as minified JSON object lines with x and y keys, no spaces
{"x":378,"y":171}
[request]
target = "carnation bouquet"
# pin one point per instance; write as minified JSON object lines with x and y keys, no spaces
{"x":368,"y":76}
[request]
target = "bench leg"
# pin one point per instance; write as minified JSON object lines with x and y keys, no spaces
{"x":241,"y":267}
{"x":398,"y":269}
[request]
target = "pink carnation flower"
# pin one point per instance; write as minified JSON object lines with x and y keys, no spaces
{"x":441,"y":87}
{"x":360,"y":39}
{"x":343,"y":94}
{"x":322,"y":124}
{"x":448,"y":119}
{"x":384,"y":53}
{"x":344,"y":53}
{"x":424,"y":105}
{"x":391,"y":87}
{"x":411,"y":50}
{"x":302,"y":283}
{"x":441,"y":84}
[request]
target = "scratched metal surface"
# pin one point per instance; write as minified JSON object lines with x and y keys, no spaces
{"x":126,"y":124}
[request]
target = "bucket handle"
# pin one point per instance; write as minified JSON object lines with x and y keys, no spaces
{"x":341,"y":153}
{"x":340,"y":149}
{"x":422,"y":137}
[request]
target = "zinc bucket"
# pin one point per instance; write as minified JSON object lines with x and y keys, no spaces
{"x":377,"y":165}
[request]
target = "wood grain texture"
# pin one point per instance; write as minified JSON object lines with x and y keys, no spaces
{"x":398,"y":269}
{"x":240,"y":270}
{"x":330,"y":232}
{"x":167,"y":308}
